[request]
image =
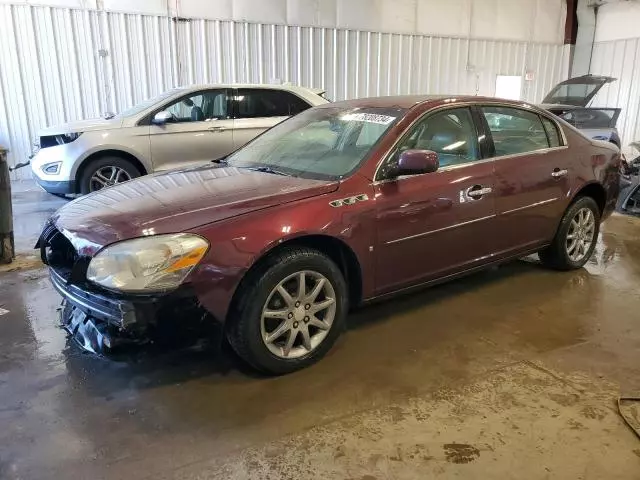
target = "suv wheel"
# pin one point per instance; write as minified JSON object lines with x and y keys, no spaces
{"x":576,"y":237}
{"x":290,"y":311}
{"x":105,"y":172}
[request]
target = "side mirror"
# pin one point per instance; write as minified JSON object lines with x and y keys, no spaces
{"x":161,"y":118}
{"x":415,"y":162}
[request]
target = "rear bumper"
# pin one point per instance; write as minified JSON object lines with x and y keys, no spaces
{"x":58,"y":187}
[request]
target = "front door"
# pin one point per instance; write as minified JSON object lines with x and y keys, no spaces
{"x":532,"y":177}
{"x":200,"y":130}
{"x":435,"y":224}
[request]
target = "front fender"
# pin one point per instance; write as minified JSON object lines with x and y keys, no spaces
{"x":248,"y":238}
{"x":136,"y":146}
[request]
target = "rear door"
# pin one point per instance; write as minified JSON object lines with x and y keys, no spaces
{"x":435,"y":224}
{"x":201,"y":130}
{"x":532,"y":176}
{"x":257,"y":109}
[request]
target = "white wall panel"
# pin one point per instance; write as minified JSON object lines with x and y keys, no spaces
{"x":312,"y":12}
{"x":65,"y":64}
{"x":525,"y":20}
{"x":620,"y":59}
{"x":149,"y":7}
{"x":209,"y":9}
{"x":617,"y":21}
{"x":263,"y":11}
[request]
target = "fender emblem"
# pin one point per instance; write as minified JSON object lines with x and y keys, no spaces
{"x":349,"y":200}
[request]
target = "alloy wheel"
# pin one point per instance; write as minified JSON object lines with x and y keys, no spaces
{"x":581,"y":234}
{"x":108,"y":176}
{"x":298,"y":314}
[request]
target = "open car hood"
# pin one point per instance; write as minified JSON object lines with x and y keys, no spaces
{"x":577,"y":91}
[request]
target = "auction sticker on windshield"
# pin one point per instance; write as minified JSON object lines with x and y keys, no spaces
{"x":369,"y":118}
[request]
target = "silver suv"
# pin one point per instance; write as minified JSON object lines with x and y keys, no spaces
{"x":181,"y":127}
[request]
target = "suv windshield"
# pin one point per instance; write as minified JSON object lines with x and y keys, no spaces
{"x":320,"y":143}
{"x":142,"y":106}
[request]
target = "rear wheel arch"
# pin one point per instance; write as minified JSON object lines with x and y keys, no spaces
{"x":108,"y":153}
{"x":335,"y":249}
{"x":595,"y":191}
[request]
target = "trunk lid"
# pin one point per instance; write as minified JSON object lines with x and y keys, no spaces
{"x":577,"y":91}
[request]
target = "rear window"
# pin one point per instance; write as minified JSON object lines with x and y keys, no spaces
{"x":515,"y":131}
{"x":260,"y":103}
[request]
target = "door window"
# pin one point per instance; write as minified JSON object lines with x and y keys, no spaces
{"x":450,"y":133}
{"x":552,"y":132}
{"x":199,"y":107}
{"x":260,"y":103}
{"x":515,"y":131}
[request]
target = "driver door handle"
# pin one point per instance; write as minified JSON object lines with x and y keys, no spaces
{"x":557,"y":173}
{"x":217,"y":129}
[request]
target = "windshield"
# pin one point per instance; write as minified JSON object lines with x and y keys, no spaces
{"x":142,"y":106}
{"x":320,"y":143}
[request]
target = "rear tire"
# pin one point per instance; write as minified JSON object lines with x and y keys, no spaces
{"x":262,"y":311}
{"x":105,"y":172}
{"x":576,"y":237}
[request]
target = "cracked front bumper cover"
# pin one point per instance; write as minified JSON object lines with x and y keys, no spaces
{"x":92,"y":336}
{"x":117,"y":312}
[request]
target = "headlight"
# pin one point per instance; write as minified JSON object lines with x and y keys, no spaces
{"x":148,"y":264}
{"x":70,"y":137}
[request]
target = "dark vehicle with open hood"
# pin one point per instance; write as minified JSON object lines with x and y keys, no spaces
{"x":340,"y":205}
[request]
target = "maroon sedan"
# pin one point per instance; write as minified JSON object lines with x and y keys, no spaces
{"x":337,"y":206}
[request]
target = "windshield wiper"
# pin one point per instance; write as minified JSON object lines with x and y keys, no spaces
{"x":269,"y":170}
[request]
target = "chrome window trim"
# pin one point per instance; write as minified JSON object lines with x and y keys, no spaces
{"x":424,"y":234}
{"x":469,"y":104}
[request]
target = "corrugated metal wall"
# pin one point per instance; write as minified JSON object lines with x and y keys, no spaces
{"x":64,"y":64}
{"x":620,"y":59}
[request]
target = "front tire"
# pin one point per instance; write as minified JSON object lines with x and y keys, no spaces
{"x":105,"y":172}
{"x":290,"y":311}
{"x":576,"y":237}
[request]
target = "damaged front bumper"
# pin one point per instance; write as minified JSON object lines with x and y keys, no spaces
{"x":101,"y":321}
{"x":117,"y":312}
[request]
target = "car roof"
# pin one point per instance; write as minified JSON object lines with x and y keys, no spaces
{"x":410,"y":101}
{"x":277,"y":86}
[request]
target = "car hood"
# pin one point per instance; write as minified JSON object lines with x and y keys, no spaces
{"x":83,"y":126}
{"x":176,"y":201}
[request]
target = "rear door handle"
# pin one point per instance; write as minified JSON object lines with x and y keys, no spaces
{"x":557,"y":173}
{"x":217,"y":129}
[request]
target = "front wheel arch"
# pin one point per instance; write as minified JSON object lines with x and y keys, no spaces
{"x":107,"y":153}
{"x":337,"y":250}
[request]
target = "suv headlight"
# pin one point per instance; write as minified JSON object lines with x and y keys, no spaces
{"x":147,"y":264}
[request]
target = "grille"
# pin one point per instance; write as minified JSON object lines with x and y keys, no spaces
{"x":58,"y":252}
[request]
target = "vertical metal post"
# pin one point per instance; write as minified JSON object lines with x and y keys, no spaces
{"x":7,"y":247}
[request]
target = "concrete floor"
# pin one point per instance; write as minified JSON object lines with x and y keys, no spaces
{"x":511,"y":373}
